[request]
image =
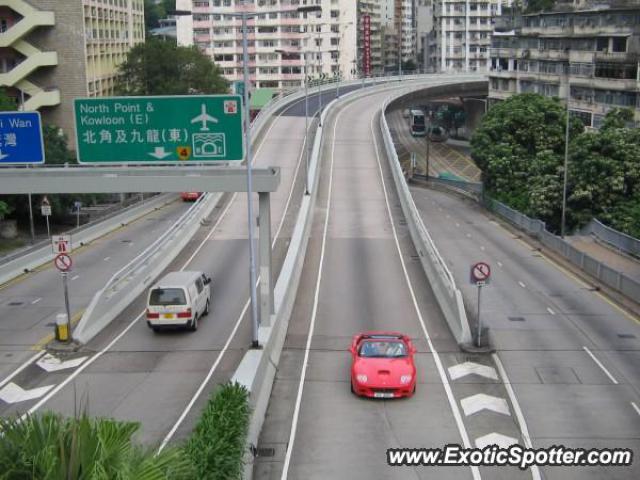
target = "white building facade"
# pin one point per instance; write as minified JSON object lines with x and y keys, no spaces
{"x":279,"y":44}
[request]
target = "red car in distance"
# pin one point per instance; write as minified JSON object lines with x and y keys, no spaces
{"x":190,"y":196}
{"x":382,"y":365}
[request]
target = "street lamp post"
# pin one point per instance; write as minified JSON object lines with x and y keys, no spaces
{"x":244,"y":16}
{"x":566,"y":159}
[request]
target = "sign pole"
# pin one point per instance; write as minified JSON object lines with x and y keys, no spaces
{"x":479,"y":321}
{"x":31,"y":226}
{"x":48,"y":232}
{"x":66,"y":304}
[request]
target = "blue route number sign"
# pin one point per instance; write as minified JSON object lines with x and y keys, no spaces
{"x":21,"y":138}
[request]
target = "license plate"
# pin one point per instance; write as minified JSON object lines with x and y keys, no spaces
{"x":382,"y":395}
{"x":167,"y":315}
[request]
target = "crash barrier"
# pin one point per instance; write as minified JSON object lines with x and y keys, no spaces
{"x":624,"y":243}
{"x":135,"y":277}
{"x":258,"y":367}
{"x":30,"y":259}
{"x":609,"y":276}
{"x":440,"y":277}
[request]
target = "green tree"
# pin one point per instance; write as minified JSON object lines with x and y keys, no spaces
{"x":519,"y":146}
{"x":604,"y":174}
{"x":7,"y":104}
{"x":159,"y":67}
{"x":50,"y":447}
{"x":155,"y":11}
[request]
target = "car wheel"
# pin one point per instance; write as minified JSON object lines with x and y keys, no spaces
{"x":206,"y":308}
{"x":193,"y":326}
{"x":352,"y":390}
{"x":155,"y":329}
{"x":414,"y":390}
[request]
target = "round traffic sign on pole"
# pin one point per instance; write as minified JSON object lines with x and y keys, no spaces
{"x":480,"y":272}
{"x":63,"y":262}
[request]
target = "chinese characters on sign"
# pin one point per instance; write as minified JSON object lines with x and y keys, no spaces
{"x":21,"y":138}
{"x":366,"y":36}
{"x":159,"y":129}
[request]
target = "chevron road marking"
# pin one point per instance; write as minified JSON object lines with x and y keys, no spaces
{"x":13,"y":393}
{"x":498,"y":439}
{"x":50,"y":363}
{"x":477,"y":403}
{"x":467,"y":368}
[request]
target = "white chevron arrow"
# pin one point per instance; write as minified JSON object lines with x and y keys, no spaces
{"x":467,"y":368}
{"x":13,"y":393}
{"x":53,"y":364}
{"x":480,"y":401}
{"x":495,"y":439}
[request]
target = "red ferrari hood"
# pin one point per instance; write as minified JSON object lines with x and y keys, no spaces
{"x":387,"y":370}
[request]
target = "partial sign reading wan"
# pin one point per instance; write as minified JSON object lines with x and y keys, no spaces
{"x":159,"y":129}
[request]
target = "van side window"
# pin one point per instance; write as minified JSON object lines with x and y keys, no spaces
{"x":199,"y":285}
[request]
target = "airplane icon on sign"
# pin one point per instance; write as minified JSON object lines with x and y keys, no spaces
{"x":205,"y":118}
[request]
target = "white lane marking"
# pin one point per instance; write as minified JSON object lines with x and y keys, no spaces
{"x":75,"y":277}
{"x":599,"y":363}
{"x":482,"y":248}
{"x":475,"y":471}
{"x":477,"y":403}
{"x":550,"y":311}
{"x":314,"y":312}
{"x":218,"y":359}
{"x":635,"y":407}
{"x":106,"y":259}
{"x":13,"y":393}
{"x":50,"y":363}
{"x":524,"y":430}
{"x":469,"y":368}
{"x":500,"y":264}
{"x":522,"y":285}
{"x":494,"y":438}
{"x":22,"y":367}
{"x":36,"y":301}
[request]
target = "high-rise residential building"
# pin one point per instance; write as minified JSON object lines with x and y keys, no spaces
{"x":424,"y":27}
{"x":462,"y":34}
{"x":372,"y":9}
{"x":584,"y":52}
{"x":55,"y":51}
{"x":277,"y":42}
{"x":400,"y":35}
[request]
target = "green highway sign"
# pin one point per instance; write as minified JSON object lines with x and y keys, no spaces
{"x":202,"y":128}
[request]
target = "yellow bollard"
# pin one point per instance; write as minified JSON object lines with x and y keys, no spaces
{"x":62,"y":330}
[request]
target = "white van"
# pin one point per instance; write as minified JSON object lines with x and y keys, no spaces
{"x":179,"y":299}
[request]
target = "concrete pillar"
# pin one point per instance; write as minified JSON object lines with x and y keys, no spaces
{"x":264,"y":247}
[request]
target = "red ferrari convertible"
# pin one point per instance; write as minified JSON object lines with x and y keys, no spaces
{"x":382,"y":365}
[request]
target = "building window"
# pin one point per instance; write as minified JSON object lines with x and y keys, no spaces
{"x":619,"y":44}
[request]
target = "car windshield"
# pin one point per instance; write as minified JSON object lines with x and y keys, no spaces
{"x":167,"y":296}
{"x":383,"y":349}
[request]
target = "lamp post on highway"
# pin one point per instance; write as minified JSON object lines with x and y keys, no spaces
{"x":566,"y":158}
{"x":244,"y":16}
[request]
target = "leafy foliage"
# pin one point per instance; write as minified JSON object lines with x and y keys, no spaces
{"x":218,"y":443}
{"x":539,"y":5}
{"x":520,"y":148}
{"x":7,"y":104}
{"x":159,"y":67}
{"x":154,"y":11}
{"x":50,"y":447}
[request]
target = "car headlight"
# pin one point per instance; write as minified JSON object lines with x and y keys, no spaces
{"x":361,"y":378}
{"x":404,"y":379}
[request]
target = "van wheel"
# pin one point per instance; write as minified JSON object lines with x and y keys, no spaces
{"x":206,"y":308}
{"x":193,"y":326}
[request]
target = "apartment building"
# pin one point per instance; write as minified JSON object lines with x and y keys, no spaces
{"x":279,"y":44}
{"x":461,"y":38}
{"x":400,"y":34}
{"x":55,"y":51}
{"x":583,"y":51}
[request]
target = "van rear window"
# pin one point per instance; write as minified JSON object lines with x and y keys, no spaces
{"x":167,"y":296}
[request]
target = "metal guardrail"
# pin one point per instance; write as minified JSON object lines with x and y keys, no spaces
{"x":609,"y":276}
{"x":624,"y":243}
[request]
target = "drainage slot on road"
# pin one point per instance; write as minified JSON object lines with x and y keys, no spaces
{"x":266,"y":452}
{"x":626,"y":335}
{"x":516,"y":319}
{"x":15,"y":304}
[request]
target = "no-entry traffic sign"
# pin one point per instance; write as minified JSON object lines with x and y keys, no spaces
{"x":480,"y":272}
{"x":63,"y":262}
